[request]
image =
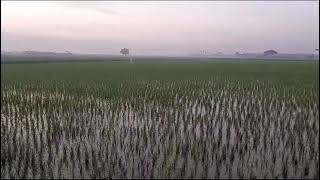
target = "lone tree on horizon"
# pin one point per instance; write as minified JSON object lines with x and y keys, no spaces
{"x":125,"y":52}
{"x":270,"y":52}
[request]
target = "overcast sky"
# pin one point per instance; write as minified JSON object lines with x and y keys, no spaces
{"x":158,"y":27}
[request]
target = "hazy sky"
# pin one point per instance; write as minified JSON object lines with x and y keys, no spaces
{"x":158,"y":27}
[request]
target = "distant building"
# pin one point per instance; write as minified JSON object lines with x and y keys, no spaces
{"x":237,"y":53}
{"x":270,"y":52}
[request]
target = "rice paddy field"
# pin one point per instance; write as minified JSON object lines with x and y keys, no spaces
{"x":254,"y":119}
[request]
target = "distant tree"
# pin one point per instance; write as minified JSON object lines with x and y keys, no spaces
{"x":270,"y":52}
{"x":125,"y":52}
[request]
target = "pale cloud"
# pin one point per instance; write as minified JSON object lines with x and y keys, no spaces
{"x":98,"y":6}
